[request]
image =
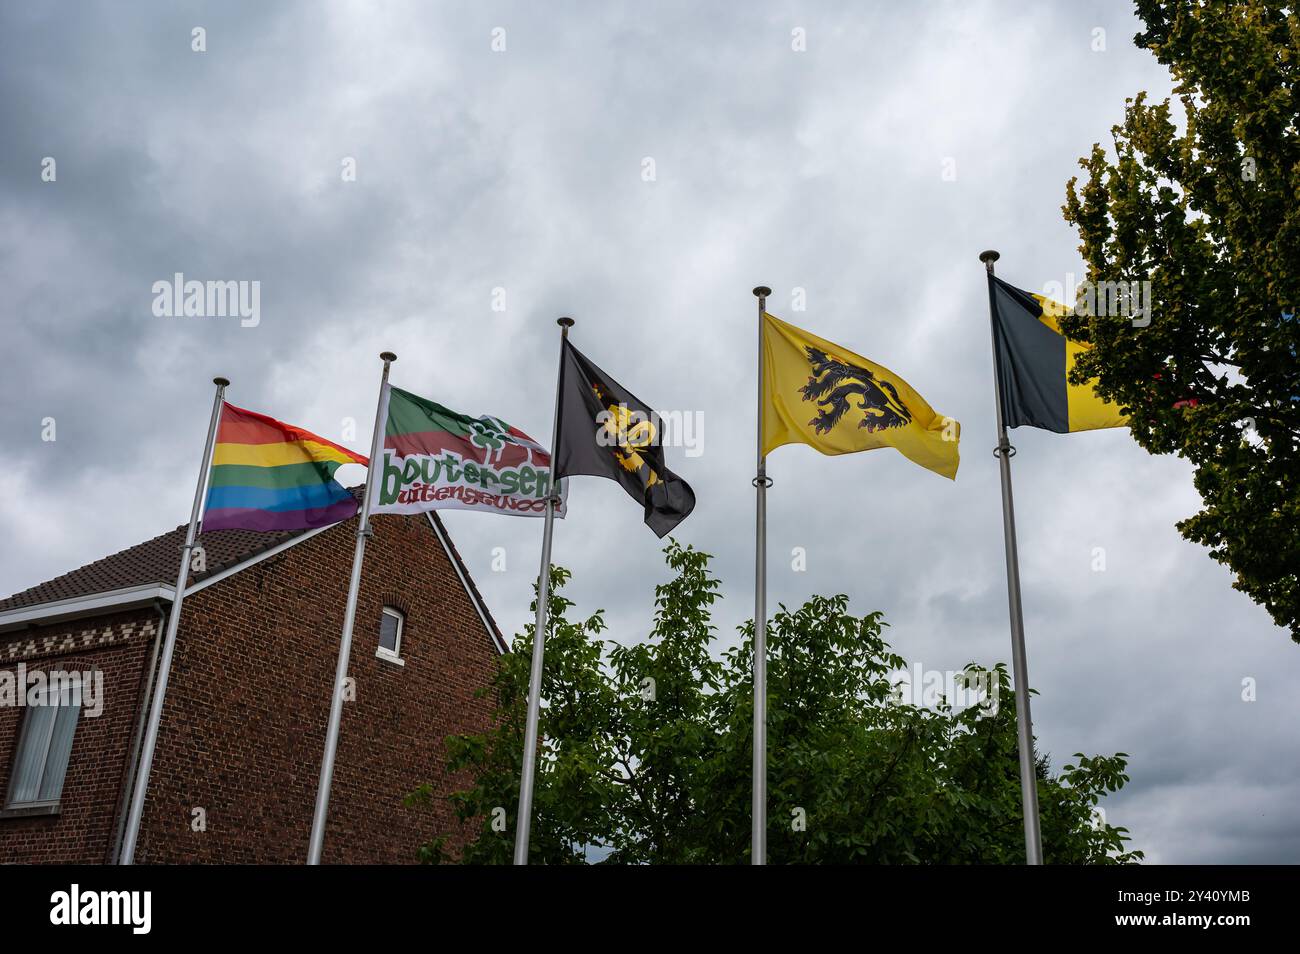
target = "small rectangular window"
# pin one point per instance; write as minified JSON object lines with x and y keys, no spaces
{"x":44,"y":748}
{"x":391,"y":622}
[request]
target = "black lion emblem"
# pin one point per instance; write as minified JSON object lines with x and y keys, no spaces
{"x":833,"y":382}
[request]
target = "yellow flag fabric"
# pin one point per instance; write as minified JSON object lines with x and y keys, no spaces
{"x":820,"y":394}
{"x":1086,"y":409}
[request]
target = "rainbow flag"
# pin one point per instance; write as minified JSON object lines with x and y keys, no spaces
{"x":268,"y":475}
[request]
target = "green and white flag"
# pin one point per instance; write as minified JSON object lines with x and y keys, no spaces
{"x":436,"y":459}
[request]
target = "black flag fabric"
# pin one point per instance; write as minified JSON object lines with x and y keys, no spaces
{"x":605,"y":431}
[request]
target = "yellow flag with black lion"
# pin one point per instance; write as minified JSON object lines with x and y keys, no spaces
{"x":823,"y":395}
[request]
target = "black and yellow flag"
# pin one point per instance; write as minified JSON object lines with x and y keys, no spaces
{"x":1034,"y":358}
{"x":831,"y":399}
{"x":605,"y":431}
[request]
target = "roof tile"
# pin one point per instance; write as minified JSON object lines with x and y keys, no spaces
{"x":154,"y":561}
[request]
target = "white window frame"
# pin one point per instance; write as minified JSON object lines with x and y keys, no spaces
{"x":393,"y":655}
{"x":68,"y":693}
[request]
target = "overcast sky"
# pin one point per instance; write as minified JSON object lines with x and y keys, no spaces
{"x":868,"y":170}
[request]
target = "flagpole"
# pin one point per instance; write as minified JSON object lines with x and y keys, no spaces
{"x":169,"y":643}
{"x":758,"y":834}
{"x":321,"y":815}
{"x":1020,"y":668}
{"x":524,"y":824}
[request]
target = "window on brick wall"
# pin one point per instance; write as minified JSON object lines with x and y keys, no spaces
{"x":391,"y":623}
{"x":44,"y":747}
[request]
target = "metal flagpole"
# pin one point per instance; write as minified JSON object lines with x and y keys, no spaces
{"x":1024,"y":724}
{"x":524,"y":825}
{"x":169,"y":643}
{"x":758,"y":835}
{"x":321,"y":815}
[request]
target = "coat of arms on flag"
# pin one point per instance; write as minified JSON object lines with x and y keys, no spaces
{"x":822,"y":394}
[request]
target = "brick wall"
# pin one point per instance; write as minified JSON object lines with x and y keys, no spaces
{"x":244,"y":726}
{"x":119,"y":646}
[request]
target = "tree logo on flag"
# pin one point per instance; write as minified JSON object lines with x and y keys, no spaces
{"x":486,"y":433}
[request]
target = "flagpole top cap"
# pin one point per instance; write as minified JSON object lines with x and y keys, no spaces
{"x":762,"y":291}
{"x":565,"y":322}
{"x":387,"y":356}
{"x":989,"y":256}
{"x":221,"y":382}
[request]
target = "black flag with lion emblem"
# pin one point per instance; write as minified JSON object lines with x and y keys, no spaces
{"x":605,"y":431}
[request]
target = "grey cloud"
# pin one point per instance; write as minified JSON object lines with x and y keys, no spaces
{"x":522,"y":170}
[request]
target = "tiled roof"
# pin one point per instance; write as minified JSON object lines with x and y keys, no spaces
{"x":154,"y":561}
{"x":157,"y":561}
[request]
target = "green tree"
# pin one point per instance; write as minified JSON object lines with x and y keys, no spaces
{"x":1203,"y":201}
{"x":646,"y":750}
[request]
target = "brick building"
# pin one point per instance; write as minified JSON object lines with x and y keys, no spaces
{"x":243,"y":726}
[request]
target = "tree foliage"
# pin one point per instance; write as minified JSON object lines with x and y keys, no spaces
{"x":1203,"y":201}
{"x":646,"y":750}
